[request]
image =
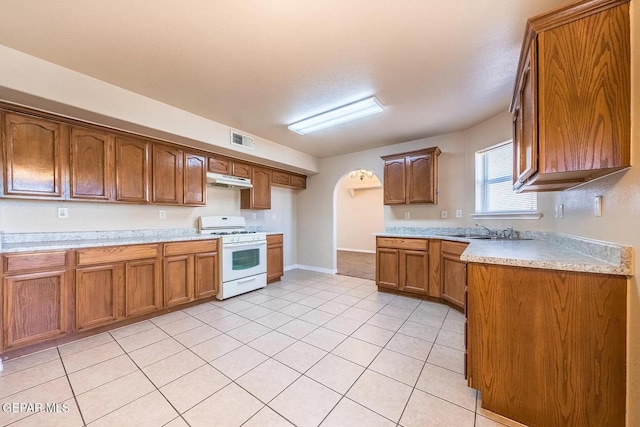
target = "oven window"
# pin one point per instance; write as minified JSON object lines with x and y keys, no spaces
{"x":244,"y":259}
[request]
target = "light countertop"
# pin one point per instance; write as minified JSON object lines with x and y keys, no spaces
{"x":548,"y":251}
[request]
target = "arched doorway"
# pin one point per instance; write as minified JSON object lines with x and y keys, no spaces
{"x":358,"y":213}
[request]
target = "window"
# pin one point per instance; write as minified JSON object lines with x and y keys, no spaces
{"x":494,"y":180}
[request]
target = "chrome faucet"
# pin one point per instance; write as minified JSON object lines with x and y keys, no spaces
{"x":490,"y":231}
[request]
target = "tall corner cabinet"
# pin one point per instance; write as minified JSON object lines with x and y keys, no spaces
{"x":571,"y":104}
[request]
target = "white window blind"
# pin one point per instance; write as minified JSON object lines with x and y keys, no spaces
{"x":494,"y":180}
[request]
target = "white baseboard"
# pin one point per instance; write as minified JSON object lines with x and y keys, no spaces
{"x":311,"y":268}
{"x":364,"y":251}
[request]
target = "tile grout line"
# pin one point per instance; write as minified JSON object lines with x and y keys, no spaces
{"x":73,"y":393}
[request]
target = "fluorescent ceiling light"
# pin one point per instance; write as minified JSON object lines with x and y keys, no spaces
{"x":346,"y":113}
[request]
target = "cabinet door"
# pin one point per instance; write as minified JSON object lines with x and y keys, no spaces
{"x":34,"y":308}
{"x":178,"y":280}
{"x":298,"y":182}
{"x":280,"y":178}
{"x":584,"y":83}
{"x":526,"y":152}
{"x":33,"y":156}
{"x":387,"y":261}
{"x":91,"y":165}
{"x":414,"y":271}
{"x":97,"y":295}
{"x":195,"y":179}
{"x":394,"y":182}
{"x":206,"y":274}
{"x":421,"y":185}
{"x":258,"y":197}
{"x":218,"y":165}
{"x":132,"y":170}
{"x":275,"y":258}
{"x":242,"y":170}
{"x":454,"y":279}
{"x":167,"y":175}
{"x":143,"y":293}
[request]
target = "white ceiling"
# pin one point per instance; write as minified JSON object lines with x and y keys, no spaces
{"x":259,"y":65}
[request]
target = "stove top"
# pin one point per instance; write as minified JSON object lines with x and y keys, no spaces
{"x":226,"y":233}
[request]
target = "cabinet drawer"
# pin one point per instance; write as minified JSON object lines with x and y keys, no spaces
{"x":34,"y":261}
{"x":184,"y":248}
{"x":274,"y":239}
{"x":116,"y":254}
{"x":454,"y":248}
{"x":403,"y":243}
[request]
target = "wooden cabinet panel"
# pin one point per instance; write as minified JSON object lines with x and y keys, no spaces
{"x":571,"y":104}
{"x":23,"y":262}
{"x":34,"y":308}
{"x":275,"y":257}
{"x":219,"y":165}
{"x":258,"y":197}
{"x":91,"y":165}
{"x":420,"y":179}
{"x":132,"y":170}
{"x":167,"y":175}
{"x":34,"y":159}
{"x":190,"y":247}
{"x":454,"y":279}
{"x":394,"y":182}
{"x":195,"y":180}
{"x":143,"y":293}
{"x":298,"y":182}
{"x":414,"y":271}
{"x":387,"y":265}
{"x":548,"y":347}
{"x":403,"y":243}
{"x":411,"y":178}
{"x":86,"y":256}
{"x":97,"y":295}
{"x":242,"y":170}
{"x":178,"y":280}
{"x":206,"y":274}
{"x":280,"y":178}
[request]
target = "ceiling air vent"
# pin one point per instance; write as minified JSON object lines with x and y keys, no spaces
{"x":242,"y":140}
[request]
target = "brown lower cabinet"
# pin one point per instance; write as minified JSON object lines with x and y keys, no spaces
{"x":454,"y":273}
{"x":46,"y":295}
{"x":403,"y":264}
{"x":116,"y":282}
{"x":190,"y":271}
{"x":547,"y":347}
{"x":275,"y":257}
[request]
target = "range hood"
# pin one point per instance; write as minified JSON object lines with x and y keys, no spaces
{"x":220,"y":180}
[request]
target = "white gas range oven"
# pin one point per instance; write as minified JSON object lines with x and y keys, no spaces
{"x":244,"y":254}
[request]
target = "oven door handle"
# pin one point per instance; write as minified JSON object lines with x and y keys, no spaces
{"x":238,"y":244}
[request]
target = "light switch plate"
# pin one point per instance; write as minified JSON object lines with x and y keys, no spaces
{"x":597,"y":207}
{"x":458,"y":213}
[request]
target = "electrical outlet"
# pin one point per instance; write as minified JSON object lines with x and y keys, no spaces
{"x":458,"y":213}
{"x":274,"y":216}
{"x":560,"y":211}
{"x":444,"y":214}
{"x":63,"y":213}
{"x":254,"y":215}
{"x":407,"y":215}
{"x":163,"y":214}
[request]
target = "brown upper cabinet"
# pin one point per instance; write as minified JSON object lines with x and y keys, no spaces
{"x":33,"y":157}
{"x":91,"y":165}
{"x":571,"y":105}
{"x":132,"y":170}
{"x":258,"y":197}
{"x":411,"y":178}
{"x":227,"y":166}
{"x":286,"y":179}
{"x":167,"y":175}
{"x":195,"y":179}
{"x":47,"y":157}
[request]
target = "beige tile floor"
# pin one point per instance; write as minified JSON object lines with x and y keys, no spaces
{"x":313,"y":349}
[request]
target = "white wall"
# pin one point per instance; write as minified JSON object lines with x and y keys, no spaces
{"x":359,"y":213}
